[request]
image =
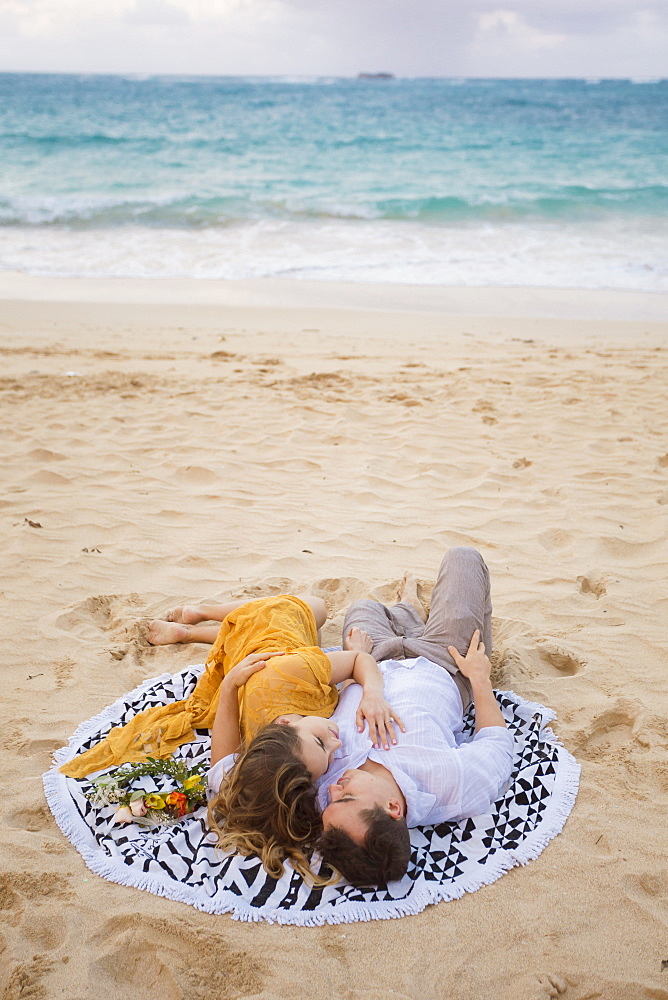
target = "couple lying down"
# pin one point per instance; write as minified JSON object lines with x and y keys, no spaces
{"x":298,"y":765}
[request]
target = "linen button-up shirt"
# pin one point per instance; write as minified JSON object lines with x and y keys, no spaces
{"x":442,"y":774}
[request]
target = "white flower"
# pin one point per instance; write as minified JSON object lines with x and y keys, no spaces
{"x":138,"y":807}
{"x":122,"y":815}
{"x":105,"y":792}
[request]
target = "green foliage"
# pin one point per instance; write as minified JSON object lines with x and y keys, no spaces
{"x":176,"y":769}
{"x":114,"y":788}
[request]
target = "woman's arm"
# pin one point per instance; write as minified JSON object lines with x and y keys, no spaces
{"x":225,"y":733}
{"x":364,"y":670}
{"x":356,"y":665}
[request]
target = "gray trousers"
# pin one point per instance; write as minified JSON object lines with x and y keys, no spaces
{"x":460,"y":604}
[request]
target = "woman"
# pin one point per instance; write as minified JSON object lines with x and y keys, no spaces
{"x":267,"y":691}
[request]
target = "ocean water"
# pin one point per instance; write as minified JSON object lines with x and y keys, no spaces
{"x":473,"y":182}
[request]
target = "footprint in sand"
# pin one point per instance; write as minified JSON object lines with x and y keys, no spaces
{"x":649,"y":890}
{"x":37,"y":887}
{"x":268,"y":588}
{"x":171,"y":959}
{"x":46,"y":933}
{"x":592,"y":583}
{"x":22,"y":892}
{"x":11,"y":904}
{"x":614,"y":733}
{"x":550,"y":986}
{"x":19,"y":741}
{"x":24,"y":982}
{"x":195,"y":475}
{"x":102,"y":611}
{"x":34,"y":819}
{"x":521,"y":652}
{"x":558,"y":660}
{"x":114,"y":615}
{"x":555,"y":538}
{"x":63,"y":669}
{"x":339,"y":591}
{"x":402,"y":397}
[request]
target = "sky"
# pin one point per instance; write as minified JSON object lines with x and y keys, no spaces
{"x":449,"y":38}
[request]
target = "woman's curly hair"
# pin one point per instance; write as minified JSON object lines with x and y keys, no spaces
{"x":267,"y":804}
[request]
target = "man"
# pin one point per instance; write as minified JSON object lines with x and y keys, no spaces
{"x":370,"y":796}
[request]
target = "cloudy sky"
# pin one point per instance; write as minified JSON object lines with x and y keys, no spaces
{"x":585,"y":38}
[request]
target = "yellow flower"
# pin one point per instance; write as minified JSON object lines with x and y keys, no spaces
{"x":154,"y":802}
{"x":193,"y":781}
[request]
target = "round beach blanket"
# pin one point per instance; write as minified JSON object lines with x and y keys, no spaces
{"x":183,"y":863}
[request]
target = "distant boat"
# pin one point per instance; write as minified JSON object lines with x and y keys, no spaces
{"x":375,"y":76}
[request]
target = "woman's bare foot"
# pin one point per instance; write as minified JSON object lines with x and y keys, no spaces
{"x":358,"y":640}
{"x":408,"y":591}
{"x":164,"y":633}
{"x":188,"y":614}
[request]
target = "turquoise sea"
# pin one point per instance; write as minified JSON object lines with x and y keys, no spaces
{"x":473,"y":182}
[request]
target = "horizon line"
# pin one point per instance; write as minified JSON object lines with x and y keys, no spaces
{"x":393,"y":77}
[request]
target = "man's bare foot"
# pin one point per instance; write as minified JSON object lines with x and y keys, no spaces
{"x":188,"y":614}
{"x":408,"y":591}
{"x":164,"y":633}
{"x":358,"y":640}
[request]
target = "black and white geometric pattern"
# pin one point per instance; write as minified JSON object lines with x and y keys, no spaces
{"x":183,"y":863}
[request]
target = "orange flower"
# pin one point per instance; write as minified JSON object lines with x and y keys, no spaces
{"x":179,"y":800}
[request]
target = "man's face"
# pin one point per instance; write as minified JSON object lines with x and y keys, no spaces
{"x":354,"y":792}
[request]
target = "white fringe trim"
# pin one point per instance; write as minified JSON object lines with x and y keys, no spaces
{"x":76,"y":830}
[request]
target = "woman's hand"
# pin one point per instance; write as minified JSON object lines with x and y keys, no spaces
{"x":475,"y":665}
{"x":239,"y":674}
{"x":380,"y":717}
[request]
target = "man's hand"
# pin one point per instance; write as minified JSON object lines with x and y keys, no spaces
{"x":358,"y":640}
{"x":239,"y":674}
{"x":475,"y":665}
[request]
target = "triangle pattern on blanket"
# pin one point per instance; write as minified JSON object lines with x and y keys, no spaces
{"x":183,"y":863}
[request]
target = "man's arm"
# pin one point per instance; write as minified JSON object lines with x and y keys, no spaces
{"x":476,"y":666}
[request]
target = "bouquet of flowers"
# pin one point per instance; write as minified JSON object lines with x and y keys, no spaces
{"x":163,"y":808}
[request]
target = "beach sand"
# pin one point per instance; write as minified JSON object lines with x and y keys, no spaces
{"x":171,"y":441}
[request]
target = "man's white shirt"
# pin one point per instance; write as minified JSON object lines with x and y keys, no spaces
{"x":442,"y":775}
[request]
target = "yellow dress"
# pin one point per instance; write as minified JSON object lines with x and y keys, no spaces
{"x":298,"y":683}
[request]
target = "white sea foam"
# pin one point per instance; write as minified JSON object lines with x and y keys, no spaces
{"x":425,"y":181}
{"x":624,"y":254}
